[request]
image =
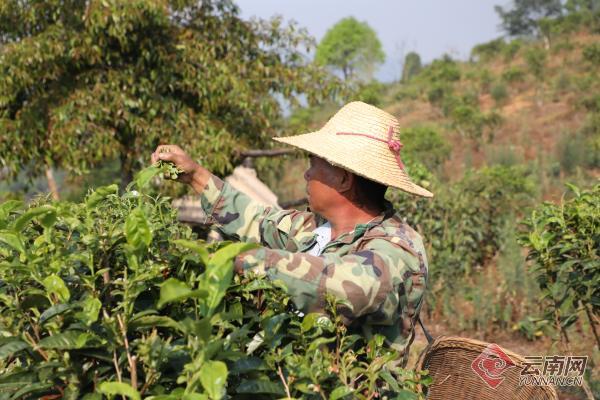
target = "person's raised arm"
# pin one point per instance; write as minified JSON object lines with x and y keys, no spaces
{"x":236,"y":214}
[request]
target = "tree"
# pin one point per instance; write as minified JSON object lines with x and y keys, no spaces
{"x":412,"y":66}
{"x":352,"y":47}
{"x":574,"y":6}
{"x":523,"y":17}
{"x":82,"y":82}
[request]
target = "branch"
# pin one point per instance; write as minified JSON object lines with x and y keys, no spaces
{"x":131,"y":359}
{"x":36,"y":346}
{"x":287,"y":388}
{"x":266,"y":153}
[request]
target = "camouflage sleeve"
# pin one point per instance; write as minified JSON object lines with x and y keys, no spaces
{"x":373,"y":282}
{"x":240,"y":218}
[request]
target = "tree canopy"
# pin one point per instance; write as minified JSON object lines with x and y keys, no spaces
{"x":412,"y":66}
{"x":83,"y":82}
{"x":352,"y":47}
{"x":522,"y":18}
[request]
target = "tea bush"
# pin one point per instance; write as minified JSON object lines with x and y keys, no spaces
{"x":466,"y":228}
{"x":591,"y":54}
{"x":564,"y":248}
{"x":513,"y":74}
{"x":511,"y":49}
{"x":424,"y":143}
{"x":489,"y":50}
{"x":112,"y":296}
{"x":499,"y":94}
{"x":464,"y":221}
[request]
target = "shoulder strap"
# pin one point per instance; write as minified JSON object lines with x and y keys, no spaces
{"x":425,"y":332}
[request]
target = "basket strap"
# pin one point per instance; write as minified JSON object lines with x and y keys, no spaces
{"x":427,"y":335}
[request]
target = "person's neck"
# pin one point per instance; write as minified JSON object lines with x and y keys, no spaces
{"x":344,"y":218}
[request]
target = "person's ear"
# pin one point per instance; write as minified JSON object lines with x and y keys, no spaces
{"x":346,"y":181}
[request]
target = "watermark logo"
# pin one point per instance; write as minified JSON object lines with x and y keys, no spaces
{"x":491,"y":364}
{"x":553,"y":370}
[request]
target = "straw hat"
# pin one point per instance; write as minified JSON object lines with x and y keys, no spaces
{"x":361,"y":139}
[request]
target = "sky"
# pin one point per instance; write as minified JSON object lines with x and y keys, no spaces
{"x":429,"y":27}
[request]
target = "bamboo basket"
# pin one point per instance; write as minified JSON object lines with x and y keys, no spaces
{"x":449,"y":359}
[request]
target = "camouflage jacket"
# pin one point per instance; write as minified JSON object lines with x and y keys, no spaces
{"x":379,"y":269}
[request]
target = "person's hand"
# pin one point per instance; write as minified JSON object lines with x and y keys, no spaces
{"x":192,"y":172}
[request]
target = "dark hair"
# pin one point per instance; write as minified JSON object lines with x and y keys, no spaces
{"x":369,"y":192}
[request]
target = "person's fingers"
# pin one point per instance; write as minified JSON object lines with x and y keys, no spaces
{"x":176,"y":149}
{"x":162,"y":148}
{"x":168,"y":157}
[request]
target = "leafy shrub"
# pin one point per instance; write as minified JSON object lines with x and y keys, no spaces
{"x":463,"y":221}
{"x":572,"y":150}
{"x":489,"y":50}
{"x":407,"y":93}
{"x":513,"y":74}
{"x":536,"y":61}
{"x":562,"y":83}
{"x":591,"y":54}
{"x":583,"y":148}
{"x":499,"y":93}
{"x":412,"y":66}
{"x":438,"y":92}
{"x":511,"y":49}
{"x":426,"y":145}
{"x":503,"y":155}
{"x":473,"y":123}
{"x":112,"y":296}
{"x":300,"y":119}
{"x":371,"y":93}
{"x":442,"y":70}
{"x":562,"y":46}
{"x":564,"y":248}
{"x":485,"y":80}
{"x":464,"y":226}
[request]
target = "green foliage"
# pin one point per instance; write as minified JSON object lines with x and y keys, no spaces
{"x":425,"y":144}
{"x":564,"y":243}
{"x":468,"y":229}
{"x":464,"y":110}
{"x":573,"y":152}
{"x":443,"y":70}
{"x":352,"y":47}
{"x":536,"y":61}
{"x":371,"y":93}
{"x":522,"y":18}
{"x":463,"y":220}
{"x":562,"y":83}
{"x":511,"y":49}
{"x":438,"y":93}
{"x":489,"y":50}
{"x":468,"y":226}
{"x":499,"y":93}
{"x":591,"y":54}
{"x":412,"y":66}
{"x":472,"y":123}
{"x":407,"y":92}
{"x":112,"y":296}
{"x":485,"y":80}
{"x":513,"y":74}
{"x":85,"y":82}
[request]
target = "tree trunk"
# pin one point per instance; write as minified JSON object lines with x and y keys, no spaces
{"x":126,"y":171}
{"x":546,"y":42}
{"x":52,"y":183}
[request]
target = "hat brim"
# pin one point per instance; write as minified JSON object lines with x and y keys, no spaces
{"x":384,"y":170}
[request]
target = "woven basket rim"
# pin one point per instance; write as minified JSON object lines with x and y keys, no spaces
{"x":459,"y":342}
